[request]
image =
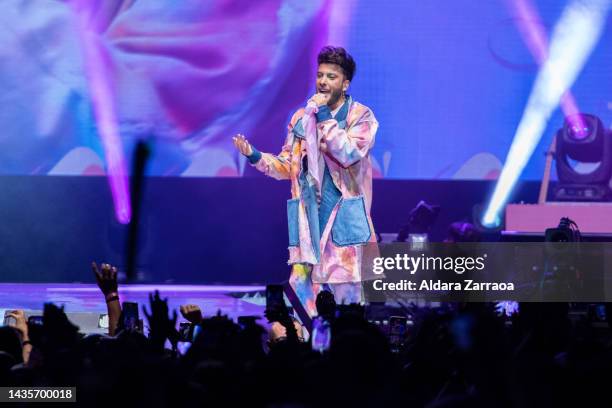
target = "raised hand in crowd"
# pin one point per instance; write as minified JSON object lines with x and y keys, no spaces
{"x":21,"y":325}
{"x":106,"y":278}
{"x":161,"y":326}
{"x":283,"y":326}
{"x":192,"y":313}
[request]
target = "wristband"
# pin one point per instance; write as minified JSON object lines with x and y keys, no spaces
{"x":112,"y":297}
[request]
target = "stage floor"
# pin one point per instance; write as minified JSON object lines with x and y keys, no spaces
{"x":80,"y":298}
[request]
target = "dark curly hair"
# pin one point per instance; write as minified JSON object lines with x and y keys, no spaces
{"x":338,"y":56}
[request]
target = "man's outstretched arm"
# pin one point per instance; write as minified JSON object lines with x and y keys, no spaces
{"x":275,"y":166}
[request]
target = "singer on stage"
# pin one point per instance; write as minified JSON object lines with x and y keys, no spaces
{"x":326,"y":157}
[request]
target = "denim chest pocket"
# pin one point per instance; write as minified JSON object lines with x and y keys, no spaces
{"x":351,"y":224}
{"x":293,"y":207}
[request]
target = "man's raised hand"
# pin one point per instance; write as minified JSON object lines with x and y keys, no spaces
{"x":242,"y":145}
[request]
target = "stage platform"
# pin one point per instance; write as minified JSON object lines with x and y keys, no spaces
{"x":84,"y":303}
{"x":593,"y":218}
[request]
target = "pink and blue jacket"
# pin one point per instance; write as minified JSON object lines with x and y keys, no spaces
{"x":327,"y":160}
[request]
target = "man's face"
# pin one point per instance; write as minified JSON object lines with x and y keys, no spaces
{"x":331,"y":81}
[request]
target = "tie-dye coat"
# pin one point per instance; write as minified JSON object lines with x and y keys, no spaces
{"x":342,"y":144}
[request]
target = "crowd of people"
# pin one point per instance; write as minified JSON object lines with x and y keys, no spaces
{"x":456,"y":355}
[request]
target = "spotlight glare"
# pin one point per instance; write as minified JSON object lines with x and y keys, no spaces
{"x":573,"y":39}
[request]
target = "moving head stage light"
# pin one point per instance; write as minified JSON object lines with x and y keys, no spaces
{"x":583,"y":142}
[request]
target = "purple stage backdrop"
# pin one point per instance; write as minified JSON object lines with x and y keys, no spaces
{"x":448,"y":81}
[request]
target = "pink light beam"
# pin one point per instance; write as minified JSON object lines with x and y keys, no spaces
{"x":96,"y":60}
